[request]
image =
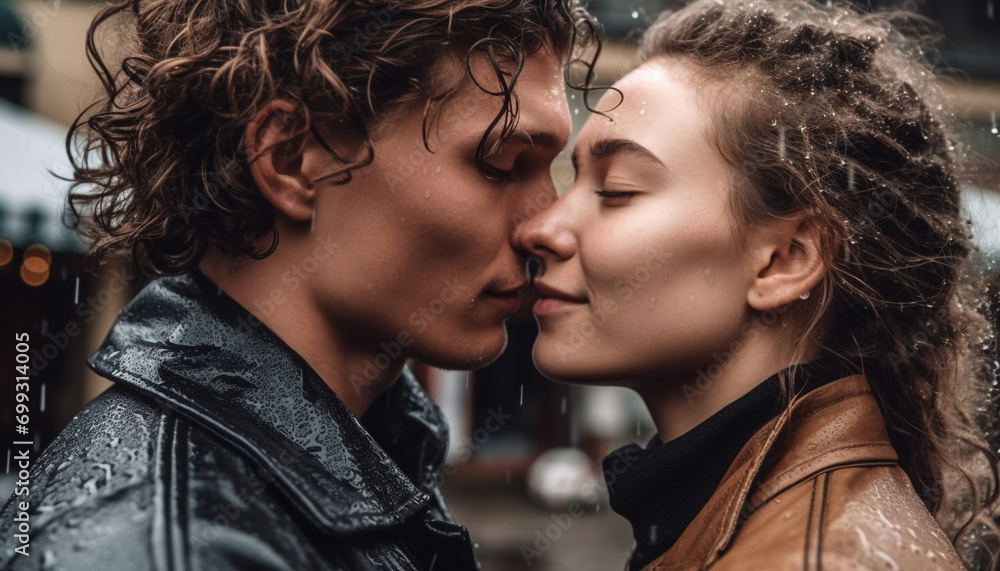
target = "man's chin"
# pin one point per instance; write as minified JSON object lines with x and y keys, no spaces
{"x":470,"y":355}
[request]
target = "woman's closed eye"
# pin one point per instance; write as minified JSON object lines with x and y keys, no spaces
{"x":615,"y":197}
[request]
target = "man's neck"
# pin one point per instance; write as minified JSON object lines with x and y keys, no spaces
{"x":348,"y":367}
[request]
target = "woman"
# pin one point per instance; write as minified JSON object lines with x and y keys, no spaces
{"x":312,"y":184}
{"x":764,"y":240}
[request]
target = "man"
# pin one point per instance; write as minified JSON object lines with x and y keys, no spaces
{"x":330,"y":188}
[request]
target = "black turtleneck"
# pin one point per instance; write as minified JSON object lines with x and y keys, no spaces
{"x":661,"y":488}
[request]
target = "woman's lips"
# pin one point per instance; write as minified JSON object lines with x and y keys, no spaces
{"x":554,"y":300}
{"x":552,"y":306}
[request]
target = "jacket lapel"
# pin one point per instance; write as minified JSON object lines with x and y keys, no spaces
{"x":199,"y":353}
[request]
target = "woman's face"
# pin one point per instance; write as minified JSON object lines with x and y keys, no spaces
{"x":643,"y":275}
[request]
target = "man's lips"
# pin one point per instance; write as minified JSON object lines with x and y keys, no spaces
{"x":508,"y":297}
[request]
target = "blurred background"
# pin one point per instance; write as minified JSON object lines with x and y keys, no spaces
{"x":509,"y":481}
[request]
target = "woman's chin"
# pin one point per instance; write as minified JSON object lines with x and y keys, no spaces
{"x":562,"y":363}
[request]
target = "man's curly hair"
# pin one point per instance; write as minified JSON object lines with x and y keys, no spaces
{"x":162,"y":173}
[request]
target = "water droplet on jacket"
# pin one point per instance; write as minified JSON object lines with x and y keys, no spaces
{"x":48,"y":560}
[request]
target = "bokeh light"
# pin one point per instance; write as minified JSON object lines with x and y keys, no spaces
{"x":6,"y":252}
{"x":35,"y":268}
{"x":38,"y":251}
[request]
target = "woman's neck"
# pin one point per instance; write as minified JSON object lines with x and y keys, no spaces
{"x":682,"y":401}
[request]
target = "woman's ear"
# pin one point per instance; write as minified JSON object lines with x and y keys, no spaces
{"x":789,"y":262}
{"x":283,"y":174}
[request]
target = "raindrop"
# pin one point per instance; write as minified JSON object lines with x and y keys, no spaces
{"x":781,"y":142}
{"x":652,"y":534}
{"x":522,"y":394}
{"x":993,"y":120}
{"x":41,"y":406}
{"x":989,"y":9}
{"x":635,"y":14}
{"x":76,"y":291}
{"x":563,"y":406}
{"x":576,"y":111}
{"x":850,"y":177}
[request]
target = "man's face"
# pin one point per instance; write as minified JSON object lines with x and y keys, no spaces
{"x":425,"y":253}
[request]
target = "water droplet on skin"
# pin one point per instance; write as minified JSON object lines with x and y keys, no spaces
{"x":427,"y":194}
{"x":437,"y":170}
{"x":710,"y":278}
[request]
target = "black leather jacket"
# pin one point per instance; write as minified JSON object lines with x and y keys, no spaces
{"x":219,"y":448}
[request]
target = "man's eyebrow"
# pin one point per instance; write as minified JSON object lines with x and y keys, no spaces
{"x":603,"y":148}
{"x":534,"y":138}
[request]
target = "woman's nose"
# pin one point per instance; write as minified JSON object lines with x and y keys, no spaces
{"x":549,"y":234}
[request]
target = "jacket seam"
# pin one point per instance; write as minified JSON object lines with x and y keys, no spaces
{"x":862,"y":463}
{"x":822,"y":519}
{"x":809,"y":525}
{"x":799,"y":421}
{"x":169,"y":542}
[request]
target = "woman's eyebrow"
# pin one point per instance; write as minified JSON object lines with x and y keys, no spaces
{"x":604,"y":148}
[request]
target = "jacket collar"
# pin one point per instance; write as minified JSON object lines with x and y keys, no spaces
{"x":199,"y":353}
{"x":834,"y":425}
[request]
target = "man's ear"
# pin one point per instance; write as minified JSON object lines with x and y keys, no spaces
{"x":789,"y":262}
{"x":284,"y":175}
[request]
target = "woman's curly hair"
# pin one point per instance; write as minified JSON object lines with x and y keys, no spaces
{"x":837,"y":113}
{"x":162,"y":173}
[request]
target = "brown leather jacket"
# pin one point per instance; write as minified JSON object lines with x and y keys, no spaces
{"x":819,"y":488}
